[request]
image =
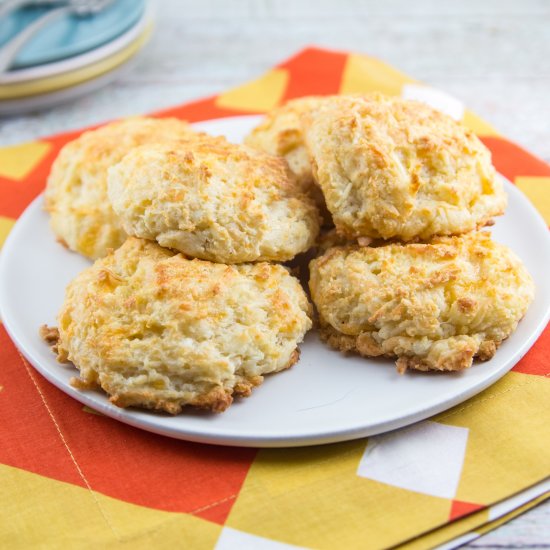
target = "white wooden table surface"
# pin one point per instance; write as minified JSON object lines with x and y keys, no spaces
{"x":492,"y":54}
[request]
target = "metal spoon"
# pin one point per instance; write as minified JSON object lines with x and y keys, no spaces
{"x":79,"y":8}
{"x":7,"y":6}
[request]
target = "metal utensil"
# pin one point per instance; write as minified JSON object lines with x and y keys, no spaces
{"x":7,"y":6}
{"x":79,"y":8}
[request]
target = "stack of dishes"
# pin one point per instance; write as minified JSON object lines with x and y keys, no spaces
{"x":70,"y":56}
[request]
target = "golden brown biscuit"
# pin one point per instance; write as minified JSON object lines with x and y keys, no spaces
{"x":331,"y":238}
{"x":395,"y":168}
{"x":213,"y":200}
{"x":160,"y":331}
{"x":281,"y":133}
{"x":76,"y":192}
{"x":433,"y":306}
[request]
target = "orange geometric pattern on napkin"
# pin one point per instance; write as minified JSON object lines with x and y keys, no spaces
{"x":513,"y":161}
{"x":65,"y":443}
{"x":460,"y":509}
{"x":536,"y":360}
{"x":218,"y":493}
{"x":17,"y":161}
{"x":18,"y":192}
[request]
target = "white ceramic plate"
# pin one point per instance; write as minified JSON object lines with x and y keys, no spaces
{"x":326,"y":397}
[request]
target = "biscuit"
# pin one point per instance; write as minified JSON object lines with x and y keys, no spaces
{"x":281,"y":133}
{"x":432,"y":306}
{"x":395,"y":168}
{"x":156,"y":330}
{"x":331,"y":238}
{"x":76,"y":192}
{"x":213,"y":200}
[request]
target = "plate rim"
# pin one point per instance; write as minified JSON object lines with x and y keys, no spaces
{"x":231,"y":437}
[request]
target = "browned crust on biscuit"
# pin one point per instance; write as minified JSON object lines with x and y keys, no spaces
{"x":487,"y":349}
{"x":243,"y":388}
{"x":294,"y":358}
{"x":216,"y":400}
{"x":459,"y":361}
{"x":354,"y":237}
{"x":364,"y":345}
{"x":50,"y":335}
{"x":81,"y":384}
{"x":62,"y":242}
{"x":337,"y":340}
